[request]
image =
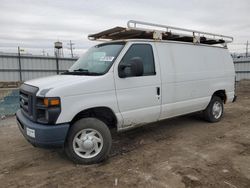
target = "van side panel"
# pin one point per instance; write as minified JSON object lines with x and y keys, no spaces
{"x":190,"y":76}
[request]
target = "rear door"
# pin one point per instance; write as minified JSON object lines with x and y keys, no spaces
{"x":139,"y":98}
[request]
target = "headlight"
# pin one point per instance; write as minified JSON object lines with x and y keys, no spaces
{"x":48,"y":109}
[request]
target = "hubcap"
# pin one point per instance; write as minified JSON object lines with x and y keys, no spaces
{"x":87,"y":143}
{"x":217,"y":110}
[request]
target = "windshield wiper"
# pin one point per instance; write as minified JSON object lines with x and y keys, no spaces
{"x":82,"y":72}
{"x":76,"y":72}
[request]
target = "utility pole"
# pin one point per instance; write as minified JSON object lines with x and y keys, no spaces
{"x":19,"y":64}
{"x":71,"y":48}
{"x":247,"y":49}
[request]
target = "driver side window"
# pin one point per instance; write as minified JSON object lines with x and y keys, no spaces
{"x":143,"y":52}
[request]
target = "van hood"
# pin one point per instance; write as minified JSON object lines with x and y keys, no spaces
{"x":57,"y":82}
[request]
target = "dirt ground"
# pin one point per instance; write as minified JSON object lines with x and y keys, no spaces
{"x":179,"y":152}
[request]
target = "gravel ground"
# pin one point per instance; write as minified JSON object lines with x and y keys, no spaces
{"x":179,"y":152}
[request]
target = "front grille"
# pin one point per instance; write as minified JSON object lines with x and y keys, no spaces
{"x":24,"y":102}
{"x":28,"y":100}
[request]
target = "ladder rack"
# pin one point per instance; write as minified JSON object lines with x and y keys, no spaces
{"x":144,"y":30}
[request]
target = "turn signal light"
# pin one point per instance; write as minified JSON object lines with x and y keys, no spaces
{"x":51,"y":102}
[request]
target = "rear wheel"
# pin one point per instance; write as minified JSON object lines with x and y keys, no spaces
{"x":89,"y":141}
{"x":214,"y":110}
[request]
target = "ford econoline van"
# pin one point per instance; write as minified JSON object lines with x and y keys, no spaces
{"x":139,"y":75}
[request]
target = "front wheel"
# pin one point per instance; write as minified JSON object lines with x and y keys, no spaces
{"x":89,"y":141}
{"x":214,"y":111}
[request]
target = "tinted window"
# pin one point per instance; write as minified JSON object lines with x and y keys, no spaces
{"x":143,"y":51}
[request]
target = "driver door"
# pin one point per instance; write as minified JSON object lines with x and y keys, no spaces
{"x":139,"y":97}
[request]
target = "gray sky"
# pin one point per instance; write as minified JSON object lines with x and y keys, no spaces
{"x":35,"y":25}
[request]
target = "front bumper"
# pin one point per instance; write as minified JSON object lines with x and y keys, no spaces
{"x":42,"y":135}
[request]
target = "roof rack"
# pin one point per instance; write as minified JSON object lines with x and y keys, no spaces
{"x":144,"y":30}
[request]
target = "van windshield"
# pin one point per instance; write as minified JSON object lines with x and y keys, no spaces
{"x":97,"y":60}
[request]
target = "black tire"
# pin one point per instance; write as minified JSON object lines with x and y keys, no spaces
{"x":208,"y":112}
{"x":86,"y":124}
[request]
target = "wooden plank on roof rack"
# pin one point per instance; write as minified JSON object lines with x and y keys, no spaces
{"x":106,"y":33}
{"x":135,"y":32}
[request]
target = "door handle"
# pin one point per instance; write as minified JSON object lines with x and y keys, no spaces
{"x":158,"y":91}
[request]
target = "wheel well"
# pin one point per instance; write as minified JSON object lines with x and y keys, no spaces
{"x":221,"y":94}
{"x":104,"y":114}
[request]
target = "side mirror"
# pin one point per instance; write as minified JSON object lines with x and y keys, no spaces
{"x":134,"y":68}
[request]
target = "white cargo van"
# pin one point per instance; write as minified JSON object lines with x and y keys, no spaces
{"x":142,"y":73}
